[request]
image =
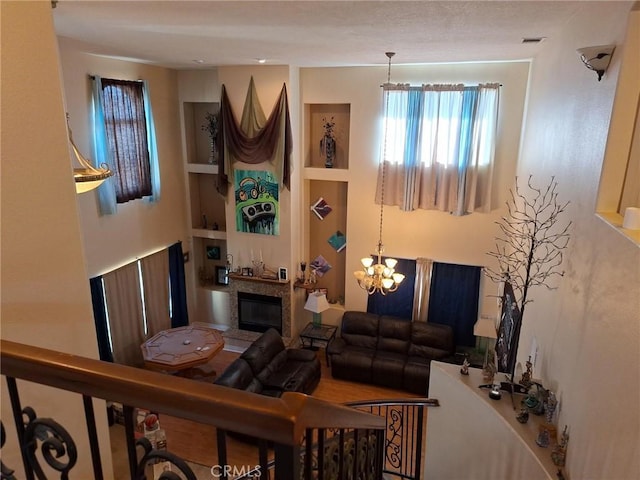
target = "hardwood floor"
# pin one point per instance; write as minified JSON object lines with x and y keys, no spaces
{"x":197,"y":442}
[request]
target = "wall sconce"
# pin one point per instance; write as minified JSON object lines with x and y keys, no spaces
{"x":597,"y":58}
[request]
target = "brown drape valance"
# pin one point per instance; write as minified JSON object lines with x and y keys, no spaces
{"x":271,"y":142}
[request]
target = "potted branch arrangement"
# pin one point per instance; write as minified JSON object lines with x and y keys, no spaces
{"x":211,"y":127}
{"x":529,"y":252}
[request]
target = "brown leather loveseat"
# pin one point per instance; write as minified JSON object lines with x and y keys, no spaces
{"x":388,"y":351}
{"x":268,"y":368}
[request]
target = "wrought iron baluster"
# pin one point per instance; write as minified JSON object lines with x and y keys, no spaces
{"x":17,"y":417}
{"x":221,"y":436}
{"x":308,"y":452}
{"x":5,"y":472}
{"x":129,"y":431}
{"x":93,"y":437}
{"x":263,"y":452}
{"x":56,"y":443}
{"x":151,"y":456}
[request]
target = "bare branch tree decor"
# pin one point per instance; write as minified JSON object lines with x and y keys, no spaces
{"x":530,"y":249}
{"x":529,"y":252}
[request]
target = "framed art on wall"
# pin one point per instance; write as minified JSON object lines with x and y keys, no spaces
{"x":222,"y":276}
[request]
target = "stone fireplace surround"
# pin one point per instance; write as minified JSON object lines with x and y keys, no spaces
{"x":260,"y":286}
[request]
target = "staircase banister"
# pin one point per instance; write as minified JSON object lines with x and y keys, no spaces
{"x":425,"y":402}
{"x":315,"y":413}
{"x":280,"y":420}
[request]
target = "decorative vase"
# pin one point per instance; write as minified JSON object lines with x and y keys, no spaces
{"x":328,"y":147}
{"x":213,"y":152}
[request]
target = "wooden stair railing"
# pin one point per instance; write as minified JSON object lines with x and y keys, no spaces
{"x":281,"y":422}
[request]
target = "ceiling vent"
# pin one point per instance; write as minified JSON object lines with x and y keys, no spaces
{"x":533,"y":39}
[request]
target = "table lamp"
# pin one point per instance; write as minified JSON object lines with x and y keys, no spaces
{"x":485,"y":327}
{"x":317,"y":303}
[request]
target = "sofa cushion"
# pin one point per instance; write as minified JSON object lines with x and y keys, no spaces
{"x":263,"y":350}
{"x":394,"y":334}
{"x":354,"y":363}
{"x":360,"y":329}
{"x":431,"y":340}
{"x":416,"y":375}
{"x":387,"y":369}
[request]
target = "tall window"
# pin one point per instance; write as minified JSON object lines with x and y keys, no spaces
{"x":438,"y":146}
{"x":126,"y":131}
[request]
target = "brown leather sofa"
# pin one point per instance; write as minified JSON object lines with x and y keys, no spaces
{"x":388,"y":351}
{"x":268,"y":368}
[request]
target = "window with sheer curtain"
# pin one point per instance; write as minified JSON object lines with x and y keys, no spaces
{"x":125,"y":123}
{"x":438,"y":147}
{"x":125,"y":139}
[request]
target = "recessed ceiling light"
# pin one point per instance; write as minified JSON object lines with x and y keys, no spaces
{"x":198,"y":61}
{"x":261,"y":60}
{"x":533,"y":39}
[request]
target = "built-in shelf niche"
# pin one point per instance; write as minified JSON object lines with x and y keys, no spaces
{"x":197,"y":141}
{"x":206,"y":202}
{"x":205,"y":249}
{"x":335,"y":194}
{"x":316,"y":115}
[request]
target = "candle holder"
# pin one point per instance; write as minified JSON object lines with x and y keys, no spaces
{"x":258,"y":267}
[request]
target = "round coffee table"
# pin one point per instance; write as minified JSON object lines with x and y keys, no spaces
{"x":178,"y":350}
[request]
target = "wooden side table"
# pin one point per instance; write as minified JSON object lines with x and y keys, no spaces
{"x":318,"y":336}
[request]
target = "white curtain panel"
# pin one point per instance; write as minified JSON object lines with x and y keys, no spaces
{"x":124,"y":308}
{"x":155,"y":279}
{"x":422,"y":287}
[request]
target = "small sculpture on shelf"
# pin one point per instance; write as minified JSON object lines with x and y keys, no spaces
{"x":526,"y":379}
{"x":328,"y":143}
{"x":211,"y":127}
{"x":464,"y":370}
{"x":523,"y":416}
{"x":550,"y":406}
{"x":489,"y":370}
{"x":559,"y":452}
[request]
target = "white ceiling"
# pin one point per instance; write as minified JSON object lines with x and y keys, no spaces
{"x":311,"y":33}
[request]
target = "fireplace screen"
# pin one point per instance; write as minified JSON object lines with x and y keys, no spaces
{"x":259,"y":313}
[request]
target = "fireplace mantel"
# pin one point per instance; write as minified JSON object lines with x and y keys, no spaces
{"x":260,"y":286}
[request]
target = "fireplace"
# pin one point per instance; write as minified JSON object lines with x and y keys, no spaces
{"x":276,"y":292}
{"x":259,"y":313}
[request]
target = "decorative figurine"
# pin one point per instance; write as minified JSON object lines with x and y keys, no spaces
{"x":303,"y":267}
{"x":550,"y":406}
{"x":527,"y":375}
{"x":523,"y":416}
{"x":489,"y":371}
{"x":559,"y":453}
{"x":543,"y":437}
{"x":328,"y":143}
{"x":464,"y":370}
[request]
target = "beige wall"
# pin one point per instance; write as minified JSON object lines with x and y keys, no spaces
{"x":588,"y":330}
{"x":147,"y":227}
{"x":45,"y":288}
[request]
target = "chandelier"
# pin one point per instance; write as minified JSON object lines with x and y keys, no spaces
{"x":87,"y":177}
{"x":380,"y":277}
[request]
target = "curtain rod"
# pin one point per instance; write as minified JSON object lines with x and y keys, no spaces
{"x":93,"y":77}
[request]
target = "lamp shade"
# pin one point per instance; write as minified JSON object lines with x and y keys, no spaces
{"x":485,"y":327}
{"x":317,"y":302}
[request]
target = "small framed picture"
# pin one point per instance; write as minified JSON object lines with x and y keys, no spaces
{"x":213,"y":252}
{"x":283,"y":274}
{"x":222,"y":276}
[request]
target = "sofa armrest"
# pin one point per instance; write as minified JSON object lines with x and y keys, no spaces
{"x":300,"y":355}
{"x":336,"y":346}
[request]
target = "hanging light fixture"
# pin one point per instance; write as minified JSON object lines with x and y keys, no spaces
{"x":380,"y":277}
{"x":88,"y":177}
